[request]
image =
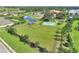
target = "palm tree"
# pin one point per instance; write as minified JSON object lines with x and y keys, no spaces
{"x":43,"y":50}
{"x":32,"y":44}
{"x":57,"y":35}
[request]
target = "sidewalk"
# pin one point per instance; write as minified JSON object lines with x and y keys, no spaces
{"x":7,"y":46}
{"x":6,"y":25}
{"x":3,"y":48}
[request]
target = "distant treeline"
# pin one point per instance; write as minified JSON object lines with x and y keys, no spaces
{"x":40,"y":8}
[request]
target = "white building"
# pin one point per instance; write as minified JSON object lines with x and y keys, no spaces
{"x":73,"y":13}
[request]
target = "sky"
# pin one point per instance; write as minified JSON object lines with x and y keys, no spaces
{"x":39,"y":2}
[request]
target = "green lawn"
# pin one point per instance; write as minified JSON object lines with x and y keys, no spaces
{"x":75,"y":35}
{"x":42,"y":34}
{"x":15,"y":43}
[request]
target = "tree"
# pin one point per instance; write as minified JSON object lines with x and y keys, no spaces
{"x":74,"y":50}
{"x":64,"y":50}
{"x":66,"y":44}
{"x":32,"y":44}
{"x":11,"y":30}
{"x":24,"y":38}
{"x":60,"y":16}
{"x":70,"y":41}
{"x":47,"y":16}
{"x":42,"y":50}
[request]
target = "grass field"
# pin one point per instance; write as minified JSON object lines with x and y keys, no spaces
{"x":42,"y":34}
{"x":15,"y":43}
{"x":75,"y":35}
{"x":37,"y":33}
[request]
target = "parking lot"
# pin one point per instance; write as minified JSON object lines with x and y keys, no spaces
{"x":4,"y":21}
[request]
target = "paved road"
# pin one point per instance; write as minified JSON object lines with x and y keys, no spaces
{"x":4,"y":23}
{"x":3,"y":49}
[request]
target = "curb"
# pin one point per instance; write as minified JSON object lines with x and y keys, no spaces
{"x":6,"y":25}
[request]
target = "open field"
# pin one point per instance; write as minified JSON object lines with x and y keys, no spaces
{"x":38,"y":33}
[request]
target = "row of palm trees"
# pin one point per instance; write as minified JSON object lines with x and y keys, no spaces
{"x":67,"y":44}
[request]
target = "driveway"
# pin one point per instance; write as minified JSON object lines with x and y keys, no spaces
{"x":3,"y":49}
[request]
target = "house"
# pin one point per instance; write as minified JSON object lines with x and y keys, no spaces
{"x":55,"y":12}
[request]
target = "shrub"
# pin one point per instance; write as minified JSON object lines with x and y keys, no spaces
{"x":24,"y":38}
{"x":11,"y":30}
